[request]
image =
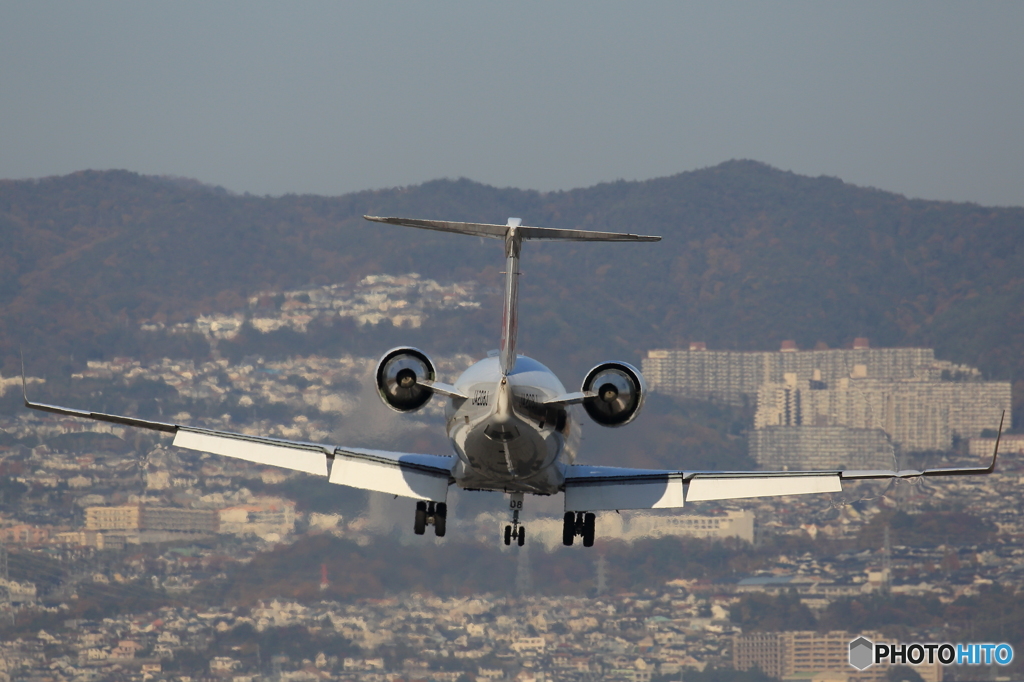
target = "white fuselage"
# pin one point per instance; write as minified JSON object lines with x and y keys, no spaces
{"x":504,"y":435}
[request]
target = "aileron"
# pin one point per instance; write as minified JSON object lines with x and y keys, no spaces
{"x":308,"y":458}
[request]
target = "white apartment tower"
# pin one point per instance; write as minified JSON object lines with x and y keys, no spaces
{"x":825,"y":408}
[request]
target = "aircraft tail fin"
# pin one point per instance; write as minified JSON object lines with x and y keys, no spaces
{"x":513,"y":233}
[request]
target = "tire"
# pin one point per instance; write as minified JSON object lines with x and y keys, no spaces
{"x":439,"y":525}
{"x":508,"y":535}
{"x":522,"y":536}
{"x":568,"y":529}
{"x":589,"y":521}
{"x":419,"y":526}
{"x":441,"y":510}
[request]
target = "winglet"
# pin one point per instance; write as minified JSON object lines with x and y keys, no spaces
{"x":995,"y":451}
{"x":946,"y":471}
{"x":24,"y":382}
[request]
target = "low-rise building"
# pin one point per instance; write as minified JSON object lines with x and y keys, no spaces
{"x":124,"y":517}
{"x":738,"y":524}
{"x":265,"y":517}
{"x":789,"y":654}
{"x":24,"y":534}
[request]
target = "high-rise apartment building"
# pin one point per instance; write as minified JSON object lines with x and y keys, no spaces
{"x":915,"y":414}
{"x":843,"y":407}
{"x":735,"y":377}
{"x":820,"y":447}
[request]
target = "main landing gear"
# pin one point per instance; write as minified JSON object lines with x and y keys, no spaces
{"x":514,"y":531}
{"x":578,"y":523}
{"x":430,"y":513}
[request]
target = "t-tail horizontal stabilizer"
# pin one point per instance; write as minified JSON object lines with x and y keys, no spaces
{"x":525,"y":232}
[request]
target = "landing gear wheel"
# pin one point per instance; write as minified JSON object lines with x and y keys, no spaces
{"x":568,"y":528}
{"x":522,"y":536}
{"x":440,"y":519}
{"x":508,"y":535}
{"x":589,"y":521}
{"x":419,"y":525}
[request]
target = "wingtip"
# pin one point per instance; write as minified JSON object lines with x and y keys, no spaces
{"x":995,"y":450}
{"x":24,"y":382}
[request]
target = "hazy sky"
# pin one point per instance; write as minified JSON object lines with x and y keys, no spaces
{"x":921,"y":98}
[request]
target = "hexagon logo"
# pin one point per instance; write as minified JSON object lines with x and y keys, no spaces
{"x":862,"y":652}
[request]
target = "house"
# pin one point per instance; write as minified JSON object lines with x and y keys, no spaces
{"x":224,"y":664}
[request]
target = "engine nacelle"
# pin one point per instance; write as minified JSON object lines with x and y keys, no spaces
{"x":620,"y":392}
{"x":399,"y":374}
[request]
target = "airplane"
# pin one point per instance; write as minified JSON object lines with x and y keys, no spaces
{"x":513,"y":428}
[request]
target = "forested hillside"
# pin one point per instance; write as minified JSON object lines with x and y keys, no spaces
{"x":751,"y":255}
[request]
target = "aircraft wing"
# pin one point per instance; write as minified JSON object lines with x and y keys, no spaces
{"x":421,"y":477}
{"x":596,"y":488}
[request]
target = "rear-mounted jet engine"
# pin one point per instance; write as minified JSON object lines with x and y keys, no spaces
{"x":620,"y":393}
{"x":400,"y":374}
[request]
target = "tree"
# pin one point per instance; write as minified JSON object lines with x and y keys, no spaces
{"x":767,"y":613}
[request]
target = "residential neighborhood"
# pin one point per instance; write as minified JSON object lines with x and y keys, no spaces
{"x":156,"y":540}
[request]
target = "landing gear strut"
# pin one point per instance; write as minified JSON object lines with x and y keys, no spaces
{"x":430,"y":513}
{"x":514,"y":531}
{"x":578,"y":523}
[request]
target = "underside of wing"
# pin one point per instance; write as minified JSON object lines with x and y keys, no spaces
{"x":306,"y":457}
{"x":421,"y":477}
{"x":591,"y":488}
{"x":596,"y":488}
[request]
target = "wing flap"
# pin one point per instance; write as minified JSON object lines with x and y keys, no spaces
{"x":665,"y":492}
{"x":421,"y":477}
{"x":600,"y":488}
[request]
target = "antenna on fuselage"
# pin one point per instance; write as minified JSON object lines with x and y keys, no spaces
{"x":514,"y":233}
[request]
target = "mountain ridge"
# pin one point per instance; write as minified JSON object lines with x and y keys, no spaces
{"x":751,"y":255}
